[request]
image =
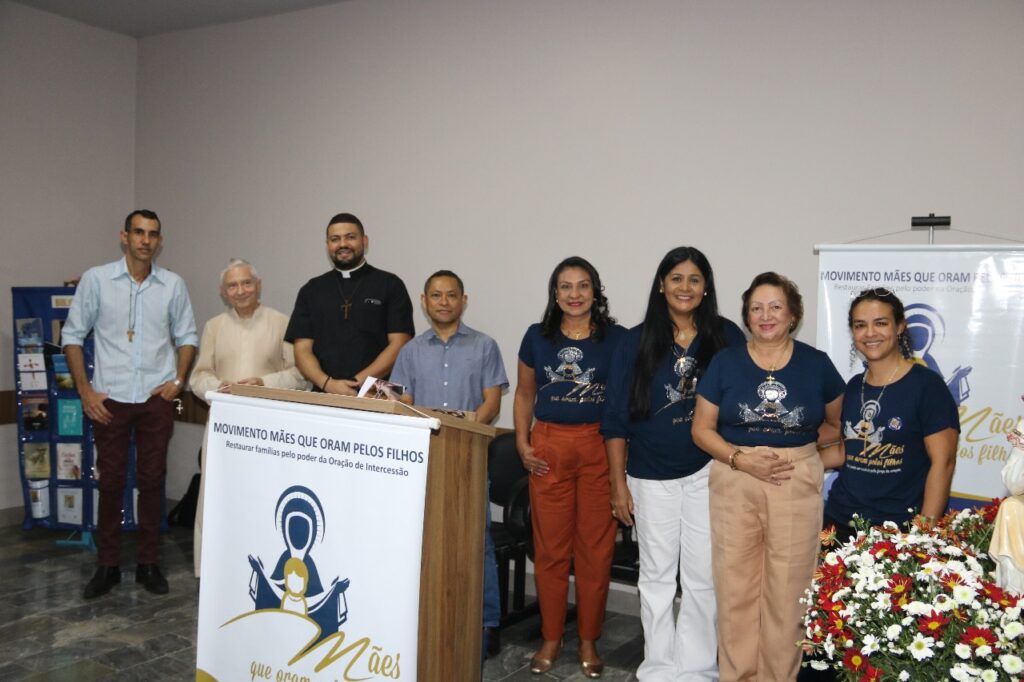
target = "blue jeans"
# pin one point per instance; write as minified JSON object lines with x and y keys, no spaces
{"x":492,"y":599}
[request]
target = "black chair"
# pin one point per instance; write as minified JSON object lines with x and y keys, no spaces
{"x":513,"y":535}
{"x":626,"y":559}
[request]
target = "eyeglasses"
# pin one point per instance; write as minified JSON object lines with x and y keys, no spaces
{"x":880,"y":292}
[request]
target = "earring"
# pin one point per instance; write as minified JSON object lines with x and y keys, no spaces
{"x":705,"y":293}
{"x":661,"y":290}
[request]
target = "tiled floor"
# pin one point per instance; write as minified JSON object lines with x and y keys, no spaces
{"x":47,"y":632}
{"x":621,"y":647}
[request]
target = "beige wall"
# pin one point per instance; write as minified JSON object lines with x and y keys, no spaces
{"x":67,"y":165}
{"x":495,"y":138}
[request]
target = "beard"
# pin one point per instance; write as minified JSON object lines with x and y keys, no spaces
{"x":347,"y":262}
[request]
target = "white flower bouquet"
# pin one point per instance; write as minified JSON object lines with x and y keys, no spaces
{"x":892,"y":604}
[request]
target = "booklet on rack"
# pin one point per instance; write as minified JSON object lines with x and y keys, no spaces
{"x":69,"y":461}
{"x":37,"y":459}
{"x":29,"y":331}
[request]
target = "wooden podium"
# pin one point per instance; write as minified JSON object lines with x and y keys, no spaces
{"x":451,"y":568}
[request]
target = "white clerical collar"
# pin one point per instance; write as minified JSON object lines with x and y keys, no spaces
{"x":348,"y":273}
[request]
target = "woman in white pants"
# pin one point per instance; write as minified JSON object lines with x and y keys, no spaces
{"x":659,"y":478}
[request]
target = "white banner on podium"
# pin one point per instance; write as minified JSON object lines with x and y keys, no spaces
{"x":965,"y":317}
{"x":312,"y":537}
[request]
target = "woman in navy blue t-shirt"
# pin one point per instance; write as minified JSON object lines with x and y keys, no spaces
{"x":759,"y":410}
{"x":899,"y":427}
{"x":563,"y":369}
{"x":658,"y":476}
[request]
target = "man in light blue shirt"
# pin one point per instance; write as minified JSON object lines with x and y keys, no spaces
{"x":145,"y":338}
{"x":453,"y":367}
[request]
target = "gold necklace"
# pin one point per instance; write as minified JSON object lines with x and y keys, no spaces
{"x":775,"y":363}
{"x":575,"y":336}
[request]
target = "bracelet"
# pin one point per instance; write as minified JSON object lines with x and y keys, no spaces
{"x":732,"y":459}
{"x":326,"y":381}
{"x":826,"y":446}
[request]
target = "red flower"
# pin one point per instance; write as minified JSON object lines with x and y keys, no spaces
{"x":989,"y":511}
{"x":993,"y":592}
{"x":844,"y":638}
{"x":900,"y":587}
{"x":855,"y":660}
{"x":829,"y":606}
{"x":832,"y":577}
{"x":900,"y":584}
{"x":883,"y":549}
{"x":997,"y":595}
{"x":951,"y":580}
{"x":836,"y":625}
{"x":872,"y":674}
{"x":932,"y":624}
{"x":1008,"y":600}
{"x":976,"y":637}
{"x":817,"y":630}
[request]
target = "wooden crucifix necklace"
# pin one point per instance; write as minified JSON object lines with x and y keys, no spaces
{"x":133,"y":300}
{"x":346,"y":306}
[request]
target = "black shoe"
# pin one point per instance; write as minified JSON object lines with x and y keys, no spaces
{"x":103,"y":579}
{"x":151,"y":578}
{"x":492,"y":641}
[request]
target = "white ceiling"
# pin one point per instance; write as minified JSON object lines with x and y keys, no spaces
{"x":140,"y":18}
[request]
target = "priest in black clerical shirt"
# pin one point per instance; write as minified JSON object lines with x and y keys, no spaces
{"x":350,"y":322}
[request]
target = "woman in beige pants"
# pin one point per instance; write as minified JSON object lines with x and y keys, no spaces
{"x":759,"y":411}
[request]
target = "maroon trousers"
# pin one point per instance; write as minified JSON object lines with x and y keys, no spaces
{"x":152,"y":423}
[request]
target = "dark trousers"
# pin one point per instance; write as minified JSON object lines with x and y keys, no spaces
{"x":152,"y":422}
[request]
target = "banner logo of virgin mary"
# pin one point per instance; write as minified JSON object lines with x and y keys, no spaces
{"x":294,"y":584}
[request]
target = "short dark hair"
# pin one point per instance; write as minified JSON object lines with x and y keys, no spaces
{"x":145,"y":213}
{"x":793,"y":298}
{"x":346,"y":218}
{"x":444,"y":273}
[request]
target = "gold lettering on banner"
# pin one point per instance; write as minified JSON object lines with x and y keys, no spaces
{"x":333,"y":650}
{"x":973,"y":426}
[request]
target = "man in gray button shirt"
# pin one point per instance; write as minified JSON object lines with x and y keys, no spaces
{"x":453,"y":367}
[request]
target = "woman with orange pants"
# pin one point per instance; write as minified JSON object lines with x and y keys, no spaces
{"x":563,"y":365}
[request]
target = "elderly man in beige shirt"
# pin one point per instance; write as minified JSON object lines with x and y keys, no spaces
{"x":244,"y":345}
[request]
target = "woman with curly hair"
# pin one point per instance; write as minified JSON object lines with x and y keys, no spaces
{"x":900,"y":425}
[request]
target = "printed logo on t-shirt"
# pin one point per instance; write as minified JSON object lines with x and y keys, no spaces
{"x":875,"y":455}
{"x":373,"y":301}
{"x":771,"y":408}
{"x":684,"y":368}
{"x":865,"y":429}
{"x":585,"y":390}
{"x":570,"y":369}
